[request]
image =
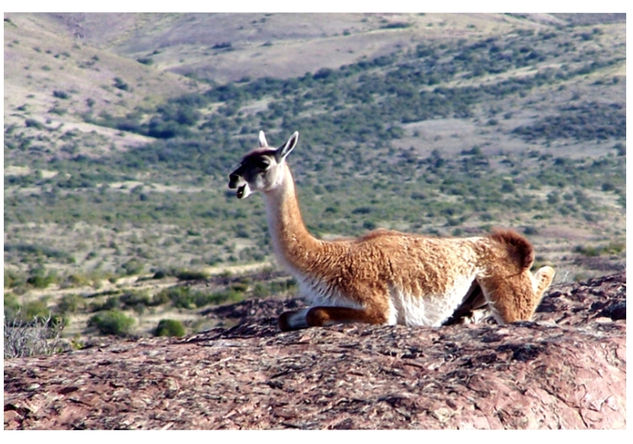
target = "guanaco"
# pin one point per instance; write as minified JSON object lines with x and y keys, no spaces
{"x":386,"y":276}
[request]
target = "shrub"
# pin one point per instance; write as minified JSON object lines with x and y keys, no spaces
{"x":160,"y":298}
{"x":396,"y":25}
{"x":132,"y":267}
{"x":164,"y":129}
{"x":613,"y":248}
{"x":608,"y":186}
{"x":40,"y":279}
{"x":58,"y":110}
{"x":170,"y":327}
{"x":120,"y":84}
{"x":190,"y":275}
{"x":369,"y":225}
{"x":229,"y":295}
{"x":22,"y":338}
{"x":184,"y":297}
{"x":70,"y":303}
{"x":260,"y":290}
{"x":35,"y":310}
{"x":110,"y":303}
{"x":136,"y":300}
{"x":223,"y":45}
{"x":112,"y":322}
{"x":159,"y":274}
{"x":13,"y":279}
{"x":32,"y":123}
{"x":530,"y":230}
{"x":11,"y":306}
{"x":60,"y":94}
{"x":589,"y":251}
{"x":145,"y":60}
{"x":507,"y":187}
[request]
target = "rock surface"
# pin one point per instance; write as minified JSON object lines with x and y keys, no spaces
{"x":564,"y":370}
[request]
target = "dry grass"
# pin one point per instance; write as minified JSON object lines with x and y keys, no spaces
{"x":40,"y":336}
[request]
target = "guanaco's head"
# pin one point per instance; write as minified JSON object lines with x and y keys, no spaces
{"x":262,"y":168}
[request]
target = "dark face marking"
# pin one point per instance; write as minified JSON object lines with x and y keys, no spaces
{"x":253,"y":165}
{"x":261,"y":154}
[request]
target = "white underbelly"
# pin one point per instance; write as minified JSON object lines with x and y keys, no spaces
{"x":404,"y":307}
{"x":318,"y":294}
{"x":426,"y":310}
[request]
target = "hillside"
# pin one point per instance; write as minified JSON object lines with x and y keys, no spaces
{"x":228,"y":47}
{"x":120,"y":131}
{"x":566,"y":370}
{"x":55,"y":84}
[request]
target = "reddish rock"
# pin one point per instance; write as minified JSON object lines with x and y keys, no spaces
{"x":564,"y":370}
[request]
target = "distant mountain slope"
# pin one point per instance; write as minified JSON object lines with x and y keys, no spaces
{"x":228,"y":47}
{"x":53,"y":78}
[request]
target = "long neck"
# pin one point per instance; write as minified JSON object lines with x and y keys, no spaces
{"x":294,"y":246}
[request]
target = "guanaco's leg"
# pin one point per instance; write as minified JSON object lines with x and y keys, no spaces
{"x":473,"y":307}
{"x":320,"y":316}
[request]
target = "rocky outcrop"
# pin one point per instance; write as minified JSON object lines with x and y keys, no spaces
{"x":564,"y":370}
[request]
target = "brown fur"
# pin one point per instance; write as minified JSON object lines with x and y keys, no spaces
{"x":383,"y":276}
{"x":520,"y":250}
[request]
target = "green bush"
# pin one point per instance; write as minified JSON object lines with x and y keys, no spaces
{"x":186,"y":297}
{"x":145,"y":60}
{"x":120,"y":84}
{"x":35,"y":310}
{"x":60,"y":94}
{"x":40,"y":279}
{"x":112,"y":322}
{"x":32,"y":123}
{"x":160,"y":298}
{"x":190,"y":275}
{"x":182,"y":297}
{"x":231,"y":294}
{"x":132,"y":267}
{"x":13,"y":279}
{"x":613,"y":248}
{"x":110,"y":303}
{"x":70,"y":303}
{"x":134,"y":298}
{"x":160,"y":274}
{"x":11,"y":306}
{"x":170,"y":327}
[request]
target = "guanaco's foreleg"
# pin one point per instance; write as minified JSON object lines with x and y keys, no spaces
{"x":320,"y":316}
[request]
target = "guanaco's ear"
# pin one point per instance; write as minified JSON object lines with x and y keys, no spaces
{"x":283,"y":151}
{"x":263,"y":143}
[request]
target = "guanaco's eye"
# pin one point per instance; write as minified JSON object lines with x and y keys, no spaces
{"x":262,"y":164}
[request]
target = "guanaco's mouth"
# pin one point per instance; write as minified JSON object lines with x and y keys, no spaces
{"x":237,"y":183}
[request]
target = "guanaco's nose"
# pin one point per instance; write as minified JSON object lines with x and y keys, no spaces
{"x":233,"y":179}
